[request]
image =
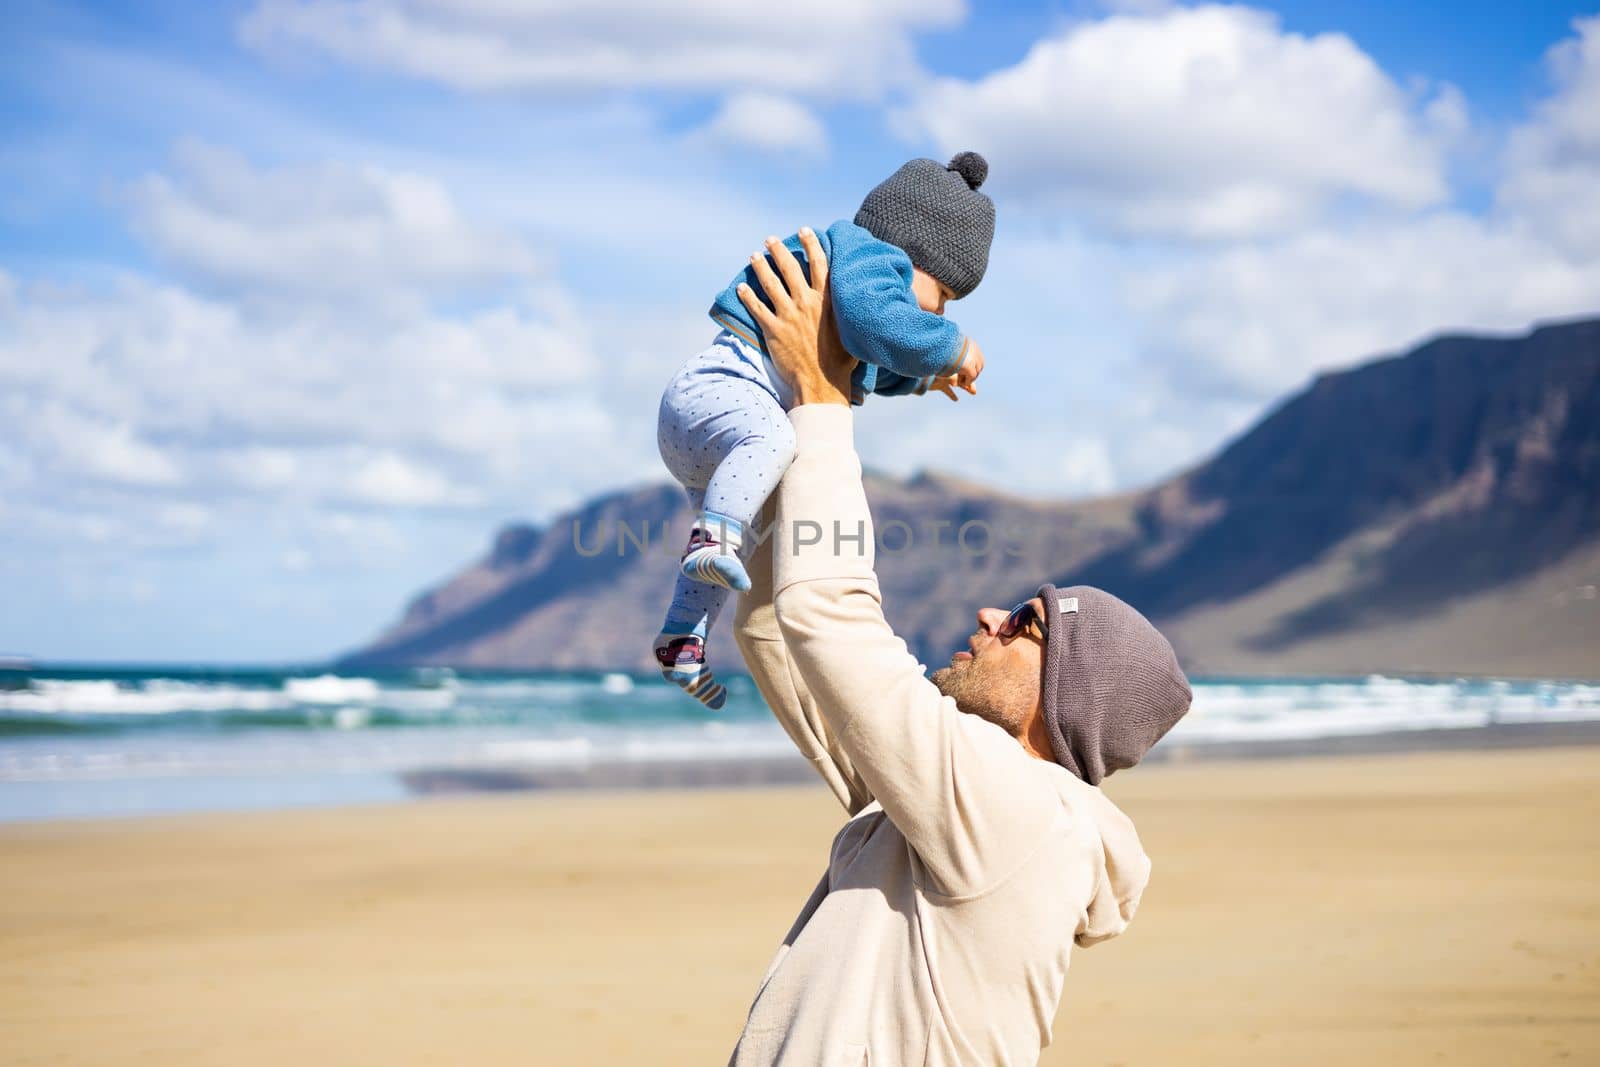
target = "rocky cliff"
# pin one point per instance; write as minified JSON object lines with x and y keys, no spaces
{"x":1433,"y":512}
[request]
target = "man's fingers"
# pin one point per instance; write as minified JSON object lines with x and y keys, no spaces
{"x":971,"y":387}
{"x":945,"y":388}
{"x":776,"y":291}
{"x":758,"y":311}
{"x":816,"y":258}
{"x":793,"y":277}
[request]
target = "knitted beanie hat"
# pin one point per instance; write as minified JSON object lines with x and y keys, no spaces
{"x":1112,"y":684}
{"x":937,"y":216}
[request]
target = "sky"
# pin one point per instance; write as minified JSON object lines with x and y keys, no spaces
{"x":301,"y":300}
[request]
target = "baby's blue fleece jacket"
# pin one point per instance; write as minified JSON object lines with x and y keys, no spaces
{"x":902,"y":348}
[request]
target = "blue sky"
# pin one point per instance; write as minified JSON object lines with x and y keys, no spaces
{"x":301,"y":299}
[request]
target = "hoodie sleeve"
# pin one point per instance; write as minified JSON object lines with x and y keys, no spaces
{"x":963,"y":792}
{"x":891,"y":384}
{"x":1120,"y":881}
{"x":880,"y":321}
{"x":760,"y":641}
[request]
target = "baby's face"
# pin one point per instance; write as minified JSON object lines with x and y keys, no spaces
{"x":931,"y":293}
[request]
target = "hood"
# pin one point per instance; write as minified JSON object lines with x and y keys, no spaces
{"x":1126,"y":872}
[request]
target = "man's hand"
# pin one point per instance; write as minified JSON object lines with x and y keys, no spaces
{"x":801,"y":337}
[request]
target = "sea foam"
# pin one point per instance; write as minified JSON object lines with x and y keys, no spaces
{"x":154,"y":724}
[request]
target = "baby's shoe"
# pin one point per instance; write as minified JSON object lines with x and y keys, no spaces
{"x":713,"y":553}
{"x":683,"y":663}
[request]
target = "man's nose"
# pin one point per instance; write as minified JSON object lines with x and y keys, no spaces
{"x":989,"y":620}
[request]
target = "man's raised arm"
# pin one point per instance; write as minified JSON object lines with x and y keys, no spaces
{"x":755,"y":628}
{"x":961,"y":790}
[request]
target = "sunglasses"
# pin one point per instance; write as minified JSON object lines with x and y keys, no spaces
{"x":1023,"y":617}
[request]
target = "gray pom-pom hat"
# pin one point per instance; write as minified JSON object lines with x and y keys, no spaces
{"x":936,"y":215}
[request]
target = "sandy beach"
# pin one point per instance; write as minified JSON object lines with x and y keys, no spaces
{"x":1399,"y":909}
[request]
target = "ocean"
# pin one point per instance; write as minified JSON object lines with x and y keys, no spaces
{"x":78,"y":742}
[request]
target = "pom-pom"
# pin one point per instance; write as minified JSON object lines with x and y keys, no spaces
{"x":972,"y":167}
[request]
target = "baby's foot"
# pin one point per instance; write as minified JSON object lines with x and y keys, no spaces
{"x":714,"y":562}
{"x":683,"y":663}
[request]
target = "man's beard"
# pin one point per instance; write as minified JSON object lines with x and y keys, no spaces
{"x":990,"y":695}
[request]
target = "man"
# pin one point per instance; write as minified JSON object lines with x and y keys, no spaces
{"x":980,"y":848}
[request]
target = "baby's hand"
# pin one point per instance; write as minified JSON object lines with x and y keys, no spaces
{"x":965,"y":377}
{"x":971,"y":367}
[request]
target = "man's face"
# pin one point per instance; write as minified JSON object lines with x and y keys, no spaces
{"x":997,"y":678}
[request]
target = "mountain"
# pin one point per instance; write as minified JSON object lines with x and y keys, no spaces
{"x":1433,"y":512}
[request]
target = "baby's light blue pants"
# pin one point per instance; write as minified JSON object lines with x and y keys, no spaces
{"x":724,"y":434}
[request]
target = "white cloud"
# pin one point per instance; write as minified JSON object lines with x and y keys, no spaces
{"x":388,"y":479}
{"x":1161,"y":349}
{"x":301,"y":403}
{"x":766,"y":123}
{"x":103,"y":449}
{"x":1195,"y":123}
{"x":329,"y":229}
{"x":157,"y":414}
{"x":193,"y":518}
{"x":347,"y":474}
{"x":850,"y":47}
{"x":976,"y":439}
{"x":1254,"y":319}
{"x":1553,"y":183}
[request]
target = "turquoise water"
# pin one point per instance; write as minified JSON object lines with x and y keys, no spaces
{"x":94,"y":741}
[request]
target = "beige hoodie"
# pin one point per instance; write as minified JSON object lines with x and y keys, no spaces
{"x":941,"y":932}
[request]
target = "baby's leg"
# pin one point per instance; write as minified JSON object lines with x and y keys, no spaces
{"x":729,"y":435}
{"x":680,"y":647}
{"x":727,"y":439}
{"x":746,"y":475}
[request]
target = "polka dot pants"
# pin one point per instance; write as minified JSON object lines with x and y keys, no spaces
{"x":725,"y":437}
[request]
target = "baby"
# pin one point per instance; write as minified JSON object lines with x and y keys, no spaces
{"x":921,"y":238}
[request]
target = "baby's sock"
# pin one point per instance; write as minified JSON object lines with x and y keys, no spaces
{"x":713,"y":553}
{"x":682,"y":657}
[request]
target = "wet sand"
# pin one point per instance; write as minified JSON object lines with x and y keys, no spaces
{"x":1394,"y":909}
